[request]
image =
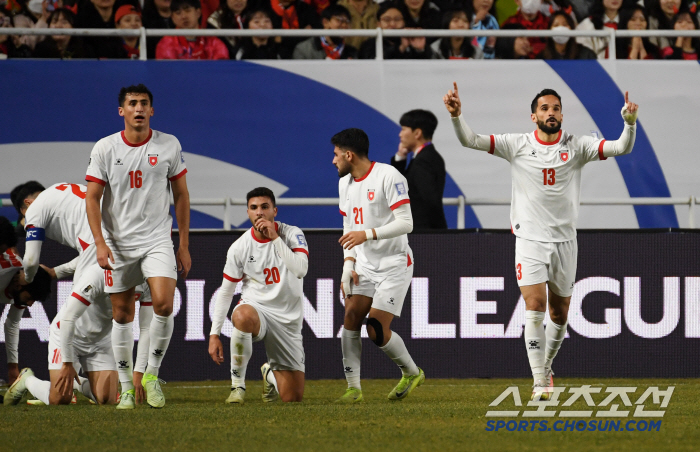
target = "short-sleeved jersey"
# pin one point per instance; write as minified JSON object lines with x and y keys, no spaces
{"x":10,"y":264}
{"x":136,"y":177}
{"x":546,"y":182}
{"x":60,"y":211}
{"x":96,"y":322}
{"x":266,"y":279}
{"x":368,"y":202}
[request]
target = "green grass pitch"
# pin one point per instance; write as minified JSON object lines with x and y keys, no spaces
{"x":441,"y":415}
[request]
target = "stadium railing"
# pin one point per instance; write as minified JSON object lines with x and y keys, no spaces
{"x":461,"y":202}
{"x":379,"y":33}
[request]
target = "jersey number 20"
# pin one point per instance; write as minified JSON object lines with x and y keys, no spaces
{"x":272,"y":275}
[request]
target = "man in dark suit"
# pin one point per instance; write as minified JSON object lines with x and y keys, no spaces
{"x":425,"y":171}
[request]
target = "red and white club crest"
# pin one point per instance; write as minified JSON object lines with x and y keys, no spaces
{"x":153,"y":159}
{"x":564,"y":156}
{"x":370,"y":195}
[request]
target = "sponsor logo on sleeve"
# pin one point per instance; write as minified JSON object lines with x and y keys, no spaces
{"x":301,"y":239}
{"x":182,"y":157}
{"x":400,"y":188}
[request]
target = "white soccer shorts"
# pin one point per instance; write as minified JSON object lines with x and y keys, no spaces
{"x":386,"y":289}
{"x":134,"y":267}
{"x":538,"y":262}
{"x":283,"y":345}
{"x":91,"y":357}
{"x":89,"y":278}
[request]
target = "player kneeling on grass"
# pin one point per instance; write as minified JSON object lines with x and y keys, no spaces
{"x":546,"y":169}
{"x":271,"y":260}
{"x":378,"y":264}
{"x":80,"y":339}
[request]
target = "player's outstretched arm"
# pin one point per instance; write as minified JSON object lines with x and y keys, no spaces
{"x":625,"y":143}
{"x":94,"y":214}
{"x":465,"y":135}
{"x":221,"y":307}
{"x":71,"y":312}
{"x":181,"y":196}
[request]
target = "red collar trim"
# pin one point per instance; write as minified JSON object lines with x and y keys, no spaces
{"x":546,"y":143}
{"x":252,"y":232}
{"x":367,"y":174}
{"x":136,"y":145}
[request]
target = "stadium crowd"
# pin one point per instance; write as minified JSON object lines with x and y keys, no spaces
{"x":348,"y":14}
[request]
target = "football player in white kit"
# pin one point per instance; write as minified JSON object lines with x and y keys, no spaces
{"x":546,"y":170}
{"x":15,"y":292}
{"x":378,"y":263}
{"x":271,"y":260}
{"x":135,"y":170}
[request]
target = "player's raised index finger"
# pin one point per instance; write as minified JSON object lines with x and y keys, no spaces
{"x":456,"y":89}
{"x":627,"y":97}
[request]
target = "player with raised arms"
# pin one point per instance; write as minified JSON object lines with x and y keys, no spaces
{"x":271,"y":261}
{"x":546,"y":171}
{"x":135,"y":169}
{"x":378,"y":263}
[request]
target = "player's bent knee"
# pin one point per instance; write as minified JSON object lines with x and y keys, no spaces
{"x":60,"y":399}
{"x":374,"y":328}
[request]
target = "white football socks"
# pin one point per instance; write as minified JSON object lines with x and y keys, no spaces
{"x":535,"y":341}
{"x":351,"y":344}
{"x":84,"y":388}
{"x":396,"y":350}
{"x":39,"y":388}
{"x":555,"y":336}
{"x":272,"y":380}
{"x":145,"y":318}
{"x":241,"y":351}
{"x":161,"y":331}
{"x":123,"y":349}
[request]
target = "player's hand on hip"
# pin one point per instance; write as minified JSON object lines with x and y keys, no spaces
{"x":184,"y":261}
{"x":630,"y":110}
{"x":104,"y":256}
{"x":64,"y":384}
{"x":216,"y":350}
{"x":452,"y":102}
{"x":267,"y":228}
{"x":352,"y":239}
{"x":139,"y":392}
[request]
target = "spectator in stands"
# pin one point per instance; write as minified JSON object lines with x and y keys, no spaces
{"x":292,"y":15}
{"x":420,"y":14}
{"x":684,"y":48}
{"x":156,"y":14}
{"x":550,"y":7}
{"x":564,"y":47}
{"x":259,"y":47}
{"x":230,"y":15}
{"x":531,"y":18}
{"x":604,"y":14}
{"x":7,"y":48}
{"x":334,"y":17}
{"x":127,"y":17}
{"x":661,"y":15}
{"x":484,"y":19}
{"x":391,"y":18}
{"x":186,"y":15}
{"x":95,"y":14}
{"x":363,"y":16}
{"x":14,"y":46}
{"x":636,"y":48}
{"x":457,"y":47}
{"x":62,"y":46}
{"x":513,"y":48}
{"x":425,"y":171}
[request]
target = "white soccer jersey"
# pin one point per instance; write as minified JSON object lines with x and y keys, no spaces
{"x":266,"y":279}
{"x":10,"y":264}
{"x":96,"y":322}
{"x":546,"y":182}
{"x":60,"y":212}
{"x":368,"y":203}
{"x":136,"y":177}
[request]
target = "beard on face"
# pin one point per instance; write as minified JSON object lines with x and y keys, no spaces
{"x":342,"y":172}
{"x":543,"y":126}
